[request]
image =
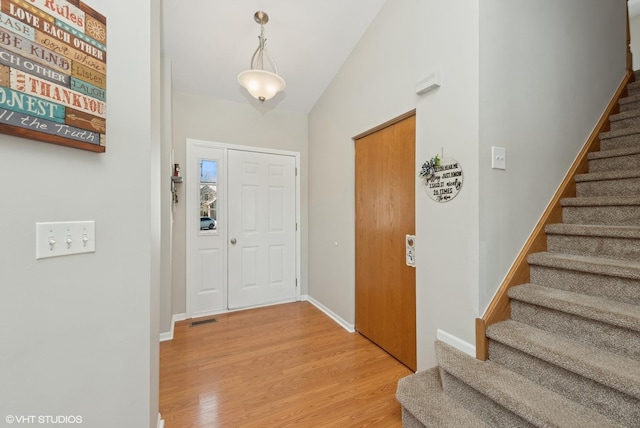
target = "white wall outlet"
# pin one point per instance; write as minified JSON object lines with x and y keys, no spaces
{"x":65,"y":238}
{"x":498,"y":157}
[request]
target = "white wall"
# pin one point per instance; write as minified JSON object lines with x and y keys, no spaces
{"x":634,"y":30}
{"x":533,"y":77}
{"x":157,"y":202}
{"x":548,"y":69}
{"x":408,"y":40}
{"x":166,"y":200}
{"x":77,"y":331}
{"x":207,"y":119}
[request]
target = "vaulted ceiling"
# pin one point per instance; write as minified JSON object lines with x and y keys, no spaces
{"x":210,"y":41}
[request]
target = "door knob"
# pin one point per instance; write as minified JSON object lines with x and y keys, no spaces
{"x":233,"y":241}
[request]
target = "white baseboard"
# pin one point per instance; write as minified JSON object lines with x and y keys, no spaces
{"x":457,"y":343}
{"x":169,"y":335}
{"x":165,"y":337}
{"x":160,"y":421}
{"x":349,"y":327}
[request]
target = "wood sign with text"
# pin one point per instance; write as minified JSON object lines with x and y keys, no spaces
{"x":53,"y":72}
{"x":445,"y":182}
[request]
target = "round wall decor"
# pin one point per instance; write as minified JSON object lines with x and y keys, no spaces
{"x":442,"y":178}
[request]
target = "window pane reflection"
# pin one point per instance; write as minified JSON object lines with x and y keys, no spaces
{"x":208,"y":194}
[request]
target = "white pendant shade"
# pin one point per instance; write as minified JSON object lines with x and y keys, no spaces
{"x":262,"y":85}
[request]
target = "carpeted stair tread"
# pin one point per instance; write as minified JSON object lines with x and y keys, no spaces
{"x":597,"y":265}
{"x":615,"y":159}
{"x":629,"y":100}
{"x":630,"y":114}
{"x":587,"y":329}
{"x":615,"y":371}
{"x":604,"y":154}
{"x":603,"y":231}
{"x":601,"y":201}
{"x":592,"y":307}
{"x":422,"y":395}
{"x":611,"y":210}
{"x":521,"y":396}
{"x":607,"y":175}
{"x":633,"y":86}
{"x":614,"y":242}
{"x":630,"y":117}
{"x":629,"y":130}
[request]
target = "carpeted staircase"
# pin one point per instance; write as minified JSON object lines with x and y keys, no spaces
{"x":570,"y":354}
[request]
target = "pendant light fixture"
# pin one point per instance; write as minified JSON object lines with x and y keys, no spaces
{"x":262,"y":84}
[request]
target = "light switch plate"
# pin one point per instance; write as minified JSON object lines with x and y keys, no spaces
{"x":65,"y":238}
{"x":498,"y":157}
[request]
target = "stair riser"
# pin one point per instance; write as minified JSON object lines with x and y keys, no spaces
{"x":594,"y":333}
{"x":615,"y":163}
{"x":625,"y":123}
{"x":618,"y":406}
{"x":410,"y":421}
{"x":632,"y":140}
{"x":616,"y":288}
{"x":611,"y":248}
{"x":487,"y":409}
{"x":619,"y":187}
{"x":627,"y":215}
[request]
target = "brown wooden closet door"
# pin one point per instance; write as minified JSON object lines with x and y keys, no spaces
{"x":385,"y":213}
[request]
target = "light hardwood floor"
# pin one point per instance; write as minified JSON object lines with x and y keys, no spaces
{"x":280,"y":366}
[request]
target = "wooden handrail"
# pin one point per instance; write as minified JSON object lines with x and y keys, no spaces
{"x":500,"y":308}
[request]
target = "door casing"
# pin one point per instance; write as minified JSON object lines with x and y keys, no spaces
{"x":192,"y":199}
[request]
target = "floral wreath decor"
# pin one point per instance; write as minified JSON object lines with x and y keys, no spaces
{"x":429,"y":168}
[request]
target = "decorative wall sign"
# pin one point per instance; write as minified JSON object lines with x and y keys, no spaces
{"x":442,"y":178}
{"x":53,"y":72}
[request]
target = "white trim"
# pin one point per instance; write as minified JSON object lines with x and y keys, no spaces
{"x":457,"y":343}
{"x":169,"y":335}
{"x":217,"y":145}
{"x":160,"y":421}
{"x":263,"y":305}
{"x":165,"y":337}
{"x":349,"y":327}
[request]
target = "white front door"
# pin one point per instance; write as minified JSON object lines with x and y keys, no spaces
{"x":206,"y":224}
{"x":262,"y":228}
{"x":236,"y":194}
